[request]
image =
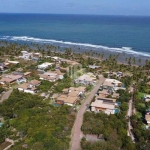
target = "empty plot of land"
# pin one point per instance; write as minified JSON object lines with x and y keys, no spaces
{"x":5,"y":95}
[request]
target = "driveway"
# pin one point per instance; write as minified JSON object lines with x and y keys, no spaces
{"x":6,"y":95}
{"x":77,"y":133}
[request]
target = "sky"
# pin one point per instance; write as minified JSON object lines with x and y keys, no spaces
{"x":98,"y":7}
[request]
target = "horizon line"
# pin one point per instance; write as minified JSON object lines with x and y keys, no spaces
{"x":73,"y":14}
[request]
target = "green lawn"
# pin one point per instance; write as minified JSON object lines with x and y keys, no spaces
{"x":140,"y":95}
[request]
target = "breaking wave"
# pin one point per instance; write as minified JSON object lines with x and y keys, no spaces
{"x":127,"y":50}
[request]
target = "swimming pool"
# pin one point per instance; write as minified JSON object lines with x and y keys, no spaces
{"x":1,"y":124}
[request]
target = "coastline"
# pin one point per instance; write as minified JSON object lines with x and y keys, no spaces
{"x":123,"y":54}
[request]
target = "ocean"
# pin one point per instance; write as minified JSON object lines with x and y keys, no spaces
{"x":129,"y":34}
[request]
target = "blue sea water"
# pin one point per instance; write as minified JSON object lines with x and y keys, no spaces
{"x":129,"y":34}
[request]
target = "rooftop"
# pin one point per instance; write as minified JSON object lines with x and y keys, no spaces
{"x":99,"y":103}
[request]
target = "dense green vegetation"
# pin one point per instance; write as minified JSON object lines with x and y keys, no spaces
{"x":112,"y":127}
{"x":35,"y":123}
{"x":141,"y":133}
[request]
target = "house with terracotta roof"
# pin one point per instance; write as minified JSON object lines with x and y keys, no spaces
{"x":70,"y":96}
{"x":66,"y":99}
{"x":29,"y":87}
{"x":12,"y":78}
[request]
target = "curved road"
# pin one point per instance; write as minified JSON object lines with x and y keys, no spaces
{"x":77,"y":133}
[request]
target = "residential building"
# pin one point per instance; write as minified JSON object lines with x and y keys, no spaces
{"x":103,"y":105}
{"x":11,"y":78}
{"x":51,"y":76}
{"x":68,"y":100}
{"x":86,"y":79}
{"x":94,"y":67}
{"x":45,"y":65}
{"x":147,"y":118}
{"x":70,"y":96}
{"x":147,"y":98}
{"x":113,"y":84}
{"x":29,"y":87}
{"x":26,"y":55}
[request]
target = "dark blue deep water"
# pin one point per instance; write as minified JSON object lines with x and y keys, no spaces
{"x":107,"y":32}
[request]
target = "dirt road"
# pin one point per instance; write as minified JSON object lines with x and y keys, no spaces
{"x":77,"y":133}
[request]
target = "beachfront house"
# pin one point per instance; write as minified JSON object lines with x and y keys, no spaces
{"x":26,"y":55}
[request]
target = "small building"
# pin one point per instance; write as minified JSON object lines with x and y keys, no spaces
{"x":29,"y":87}
{"x":27,"y":74}
{"x":45,"y":65}
{"x":103,"y":93}
{"x":147,"y":118}
{"x":147,"y":98}
{"x":148,"y":83}
{"x":115,"y":95}
{"x":51,"y":76}
{"x":13,"y":62}
{"x":94,"y":67}
{"x":3,"y":67}
{"x":86,"y":79}
{"x":26,"y":55}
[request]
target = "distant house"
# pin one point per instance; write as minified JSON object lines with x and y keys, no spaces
{"x":147,"y":118}
{"x":26,"y":55}
{"x":29,"y":87}
{"x":13,"y":62}
{"x":148,"y":83}
{"x":11,"y":78}
{"x":45,"y":65}
{"x":51,"y":76}
{"x":86,"y":79}
{"x":27,"y":74}
{"x":112,"y":84}
{"x":147,"y":98}
{"x":3,"y":67}
{"x":94,"y":67}
{"x":36,"y":56}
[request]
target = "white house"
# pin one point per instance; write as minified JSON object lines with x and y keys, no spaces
{"x":45,"y":65}
{"x":26,"y":55}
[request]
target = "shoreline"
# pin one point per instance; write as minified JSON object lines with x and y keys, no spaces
{"x":122,"y":56}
